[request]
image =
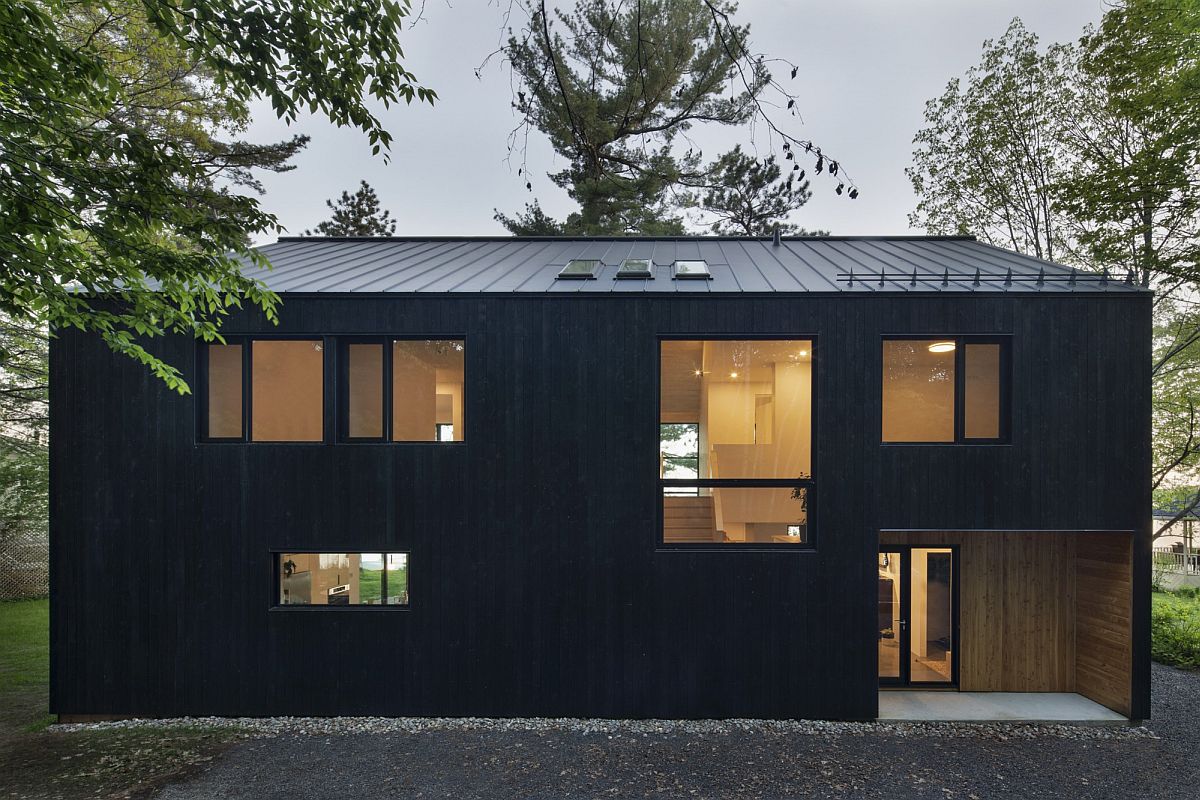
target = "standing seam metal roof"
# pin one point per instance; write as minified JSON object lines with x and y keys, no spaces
{"x":530,"y":265}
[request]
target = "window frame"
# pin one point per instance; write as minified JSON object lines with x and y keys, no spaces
{"x":276,"y":553}
{"x":961,"y":340}
{"x":335,"y":387}
{"x":809,"y":484}
{"x":246,"y":341}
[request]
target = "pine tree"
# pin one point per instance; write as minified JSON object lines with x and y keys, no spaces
{"x":356,"y":214}
{"x":746,"y":196}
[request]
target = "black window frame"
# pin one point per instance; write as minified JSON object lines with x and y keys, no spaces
{"x":335,"y":387}
{"x":807,"y":484}
{"x":961,"y":341}
{"x":343,"y":389}
{"x":276,"y":581}
{"x":247,"y":344}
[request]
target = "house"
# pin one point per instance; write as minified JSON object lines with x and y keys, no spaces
{"x":613,"y":477}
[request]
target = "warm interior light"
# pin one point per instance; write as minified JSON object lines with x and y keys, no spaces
{"x":941,"y":347}
{"x":803,"y":352}
{"x":698,"y":372}
{"x":733,"y":374}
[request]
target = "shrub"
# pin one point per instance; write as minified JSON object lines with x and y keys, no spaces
{"x":1175,"y":633}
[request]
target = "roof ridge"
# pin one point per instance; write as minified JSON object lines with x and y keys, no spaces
{"x":696,"y":238}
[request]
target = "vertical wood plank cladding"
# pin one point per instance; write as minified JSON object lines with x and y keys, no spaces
{"x":1016,"y":606}
{"x":536,"y":587}
{"x":1103,"y":665}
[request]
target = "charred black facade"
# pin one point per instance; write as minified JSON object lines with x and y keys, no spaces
{"x":537,"y":586}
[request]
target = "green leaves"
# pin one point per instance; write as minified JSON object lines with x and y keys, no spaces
{"x":119,"y":205}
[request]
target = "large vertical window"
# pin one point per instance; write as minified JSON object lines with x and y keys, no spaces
{"x":342,"y":579}
{"x":945,"y":390}
{"x":735,"y":441}
{"x":403,"y":390}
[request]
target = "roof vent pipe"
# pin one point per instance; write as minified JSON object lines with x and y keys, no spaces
{"x":776,"y":240}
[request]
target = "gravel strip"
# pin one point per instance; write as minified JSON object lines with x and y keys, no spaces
{"x":547,"y":759}
{"x":266,"y":727}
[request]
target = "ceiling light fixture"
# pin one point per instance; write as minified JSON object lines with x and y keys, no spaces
{"x":803,"y":352}
{"x":733,"y":374}
{"x":698,"y":372}
{"x":941,"y":347}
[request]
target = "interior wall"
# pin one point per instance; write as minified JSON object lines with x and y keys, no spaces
{"x":1103,"y":636}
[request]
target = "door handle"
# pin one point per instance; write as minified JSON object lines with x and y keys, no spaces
{"x":903,"y":624}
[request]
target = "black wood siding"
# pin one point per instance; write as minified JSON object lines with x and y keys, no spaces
{"x":536,"y":588}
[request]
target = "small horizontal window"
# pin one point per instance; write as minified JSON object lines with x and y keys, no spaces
{"x":580,"y":269}
{"x":635,"y":268}
{"x":692,"y":269}
{"x":343,"y":579}
{"x":737,"y":515}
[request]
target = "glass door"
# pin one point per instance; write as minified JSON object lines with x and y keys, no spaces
{"x":891,"y":621}
{"x":917,"y":617}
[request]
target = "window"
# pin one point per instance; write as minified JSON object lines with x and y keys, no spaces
{"x":579,"y":269}
{"x":225,"y":391}
{"x":635,"y":268}
{"x":364,"y":363}
{"x":945,"y":389}
{"x":691,"y":270}
{"x":402,"y":390}
{"x":342,"y":579}
{"x":735,"y":441}
{"x":283,"y":399}
{"x":287,"y":379}
{"x":679,"y":454}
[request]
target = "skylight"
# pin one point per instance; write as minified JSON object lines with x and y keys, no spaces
{"x":692,"y":269}
{"x":580,"y":269}
{"x":635,"y":268}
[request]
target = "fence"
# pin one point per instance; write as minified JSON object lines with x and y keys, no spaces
{"x":24,"y":559}
{"x":1169,"y":559}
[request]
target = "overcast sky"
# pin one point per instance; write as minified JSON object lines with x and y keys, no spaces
{"x":866,"y":69}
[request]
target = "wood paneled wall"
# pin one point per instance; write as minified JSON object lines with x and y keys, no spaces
{"x":1103,"y":632}
{"x":1016,"y":596}
{"x":1042,"y":611}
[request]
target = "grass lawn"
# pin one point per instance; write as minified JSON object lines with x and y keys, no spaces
{"x":1175,"y":628}
{"x":37,"y":762}
{"x":24,"y":664}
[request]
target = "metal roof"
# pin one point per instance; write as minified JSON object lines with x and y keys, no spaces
{"x":530,"y":265}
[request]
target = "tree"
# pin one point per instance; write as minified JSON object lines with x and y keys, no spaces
{"x":356,"y":214}
{"x":1090,"y":154}
{"x":1134,"y":133}
{"x":747,"y":198}
{"x":101,"y":203}
{"x":991,"y":152}
{"x":619,"y":89}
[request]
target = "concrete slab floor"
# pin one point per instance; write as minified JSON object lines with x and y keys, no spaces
{"x":945,"y":706}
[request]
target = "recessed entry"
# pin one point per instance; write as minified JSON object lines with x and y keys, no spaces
{"x":636,"y":268}
{"x":580,"y":269}
{"x":697,"y":270}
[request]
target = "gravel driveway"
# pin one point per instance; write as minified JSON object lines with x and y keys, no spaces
{"x":845,"y":761}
